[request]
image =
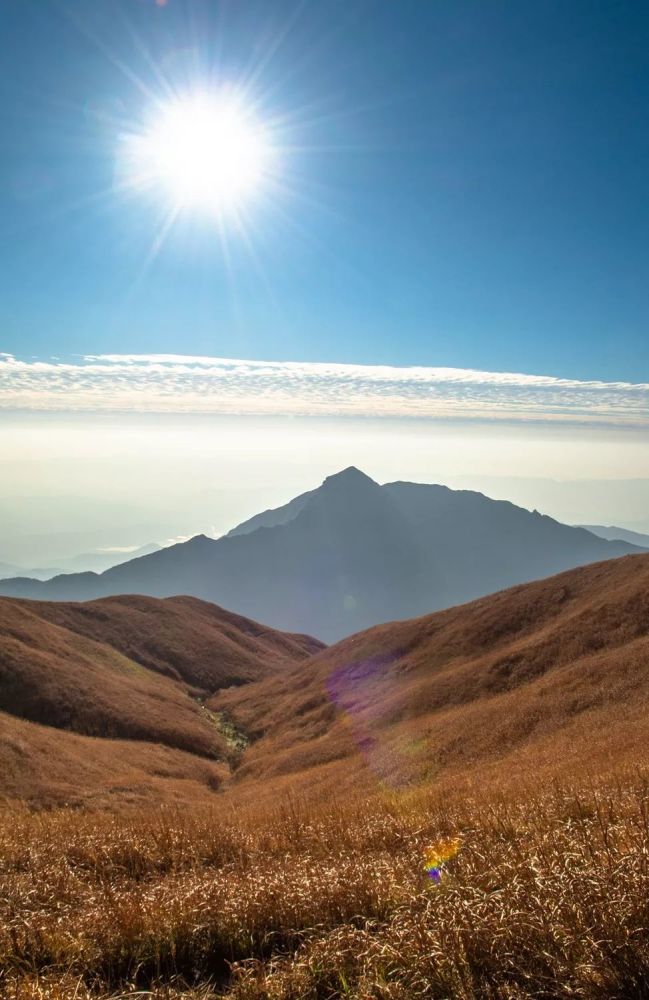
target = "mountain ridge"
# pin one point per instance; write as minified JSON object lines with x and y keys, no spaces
{"x":350,"y":554}
{"x":612,"y":533}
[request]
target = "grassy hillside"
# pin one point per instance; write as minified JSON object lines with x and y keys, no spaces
{"x":45,"y":767}
{"x":129,"y":668}
{"x":61,"y":679}
{"x":555,"y":668}
{"x":514,"y":728}
{"x":183,"y":637}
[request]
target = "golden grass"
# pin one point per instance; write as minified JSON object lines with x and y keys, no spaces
{"x":548,"y":897}
{"x":562,"y":662}
{"x":77,"y":681}
{"x":302,"y":881}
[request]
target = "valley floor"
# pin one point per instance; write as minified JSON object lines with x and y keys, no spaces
{"x":548,"y":896}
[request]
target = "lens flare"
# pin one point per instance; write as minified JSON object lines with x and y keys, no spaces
{"x":439,"y":854}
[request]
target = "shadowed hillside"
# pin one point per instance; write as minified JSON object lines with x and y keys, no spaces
{"x":348,"y":555}
{"x":129,"y":668}
{"x":183,"y":637}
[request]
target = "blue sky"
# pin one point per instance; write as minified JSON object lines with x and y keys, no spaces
{"x":463,"y":185}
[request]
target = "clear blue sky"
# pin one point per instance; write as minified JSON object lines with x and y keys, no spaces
{"x":467,"y":184}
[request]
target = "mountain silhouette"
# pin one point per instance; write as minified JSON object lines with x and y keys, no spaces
{"x":349,"y":555}
{"x":612,"y":533}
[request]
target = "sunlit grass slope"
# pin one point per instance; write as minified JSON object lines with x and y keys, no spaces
{"x":552,"y":671}
{"x":546,"y":897}
{"x":515,"y":726}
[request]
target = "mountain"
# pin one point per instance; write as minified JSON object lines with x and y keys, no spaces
{"x":131,"y":669}
{"x":8,"y":570}
{"x":348,"y":555}
{"x":273,"y":518}
{"x":553,"y":673}
{"x":95,"y":562}
{"x":611,"y":533}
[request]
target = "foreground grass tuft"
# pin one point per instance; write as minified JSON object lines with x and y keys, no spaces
{"x":548,"y":896}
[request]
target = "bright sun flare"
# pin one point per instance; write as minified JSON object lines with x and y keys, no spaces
{"x":206,"y":151}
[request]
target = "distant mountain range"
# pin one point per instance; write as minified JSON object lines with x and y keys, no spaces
{"x":612,"y":534}
{"x":93,"y":562}
{"x":348,"y":555}
{"x":9,"y":570}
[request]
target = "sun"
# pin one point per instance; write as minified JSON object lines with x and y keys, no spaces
{"x":205,"y":152}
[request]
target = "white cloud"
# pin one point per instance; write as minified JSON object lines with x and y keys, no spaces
{"x":170,"y":383}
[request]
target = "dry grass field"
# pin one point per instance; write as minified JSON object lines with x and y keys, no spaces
{"x":548,"y":896}
{"x":294,"y":868}
{"x":549,"y":671}
{"x":102,"y":703}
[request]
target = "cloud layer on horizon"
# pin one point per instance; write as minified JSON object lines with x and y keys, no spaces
{"x":168,"y":383}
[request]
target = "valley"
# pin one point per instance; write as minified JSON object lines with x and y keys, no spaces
{"x":552,"y":670}
{"x":211,"y":808}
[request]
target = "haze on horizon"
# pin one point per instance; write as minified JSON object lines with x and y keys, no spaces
{"x":247,"y":245}
{"x":77,"y":483}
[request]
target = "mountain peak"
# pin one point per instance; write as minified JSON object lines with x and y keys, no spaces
{"x":351,"y":476}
